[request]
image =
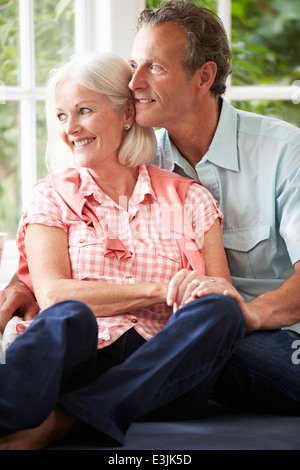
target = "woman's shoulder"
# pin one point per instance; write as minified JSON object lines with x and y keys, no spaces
{"x":169,"y":175}
{"x":68,"y":174}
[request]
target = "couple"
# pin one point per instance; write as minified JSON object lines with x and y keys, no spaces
{"x":141,"y":280}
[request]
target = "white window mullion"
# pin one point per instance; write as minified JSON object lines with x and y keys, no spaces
{"x":28,"y":105}
{"x":84,"y":25}
{"x":262,"y":92}
{"x":224,"y":12}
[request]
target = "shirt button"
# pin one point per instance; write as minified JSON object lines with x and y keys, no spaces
{"x":133,"y":320}
{"x":128,"y":276}
{"x":81,"y":240}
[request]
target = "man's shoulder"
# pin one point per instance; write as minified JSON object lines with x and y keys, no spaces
{"x":267,"y":126}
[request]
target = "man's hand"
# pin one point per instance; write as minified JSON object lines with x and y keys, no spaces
{"x":182,"y":289}
{"x":16,"y":298}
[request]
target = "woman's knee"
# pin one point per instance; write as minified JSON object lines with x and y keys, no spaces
{"x":217,"y":308}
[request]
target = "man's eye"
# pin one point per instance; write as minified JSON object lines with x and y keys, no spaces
{"x":155,"y":68}
{"x":62,"y":116}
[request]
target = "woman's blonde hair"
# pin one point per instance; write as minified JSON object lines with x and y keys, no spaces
{"x":109,"y":75}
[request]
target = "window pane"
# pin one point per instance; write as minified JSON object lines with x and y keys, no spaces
{"x":54,"y":35}
{"x":285,"y":110}
{"x":9,"y":42}
{"x":9,"y":168}
{"x":41,"y":139}
{"x":265,"y":42}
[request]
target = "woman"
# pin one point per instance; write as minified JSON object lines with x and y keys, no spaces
{"x":128,"y":241}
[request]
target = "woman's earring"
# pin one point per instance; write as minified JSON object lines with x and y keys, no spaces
{"x":127,"y":127}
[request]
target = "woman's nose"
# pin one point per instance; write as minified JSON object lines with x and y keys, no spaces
{"x":72,"y":126}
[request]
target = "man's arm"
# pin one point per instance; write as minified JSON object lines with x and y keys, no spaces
{"x":280,"y":307}
{"x":16,"y":298}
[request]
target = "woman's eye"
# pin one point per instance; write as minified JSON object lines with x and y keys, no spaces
{"x":85,"y":110}
{"x":61,"y":116}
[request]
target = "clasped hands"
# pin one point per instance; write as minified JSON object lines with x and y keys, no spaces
{"x":188,"y":285}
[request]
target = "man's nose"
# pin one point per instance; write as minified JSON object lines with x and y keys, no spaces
{"x":138,"y":79}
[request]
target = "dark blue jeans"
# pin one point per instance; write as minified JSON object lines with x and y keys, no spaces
{"x":55,"y":361}
{"x":262,"y":373}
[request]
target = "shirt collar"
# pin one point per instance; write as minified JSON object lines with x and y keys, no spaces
{"x":88,"y":186}
{"x":223,"y":150}
{"x":143,"y":186}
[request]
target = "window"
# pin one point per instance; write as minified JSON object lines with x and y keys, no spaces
{"x":265,"y":45}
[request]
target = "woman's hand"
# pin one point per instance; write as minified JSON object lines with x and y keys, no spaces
{"x":187,"y":286}
{"x":182,"y":286}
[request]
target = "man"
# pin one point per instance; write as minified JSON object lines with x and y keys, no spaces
{"x":251,"y":164}
{"x":180,"y":61}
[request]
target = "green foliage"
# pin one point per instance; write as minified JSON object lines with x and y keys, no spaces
{"x":54,"y":35}
{"x":9,"y":42}
{"x":265,"y":42}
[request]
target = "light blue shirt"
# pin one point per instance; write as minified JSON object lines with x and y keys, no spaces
{"x":252,"y":168}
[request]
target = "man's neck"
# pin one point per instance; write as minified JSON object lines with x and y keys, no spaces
{"x":194,"y":135}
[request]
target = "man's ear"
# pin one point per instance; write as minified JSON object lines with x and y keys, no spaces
{"x":130,"y":112}
{"x":206,"y":75}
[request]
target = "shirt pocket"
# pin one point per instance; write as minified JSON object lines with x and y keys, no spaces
{"x":249,"y":250}
{"x":166,"y":259}
{"x":86,"y":253}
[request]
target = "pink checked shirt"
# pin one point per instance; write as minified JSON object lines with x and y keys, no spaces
{"x":127,"y":247}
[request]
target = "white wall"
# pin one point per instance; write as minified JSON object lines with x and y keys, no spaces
{"x":115,"y":25}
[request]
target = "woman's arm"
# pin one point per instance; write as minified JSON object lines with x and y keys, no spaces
{"x":49,"y":267}
{"x":181,"y":286}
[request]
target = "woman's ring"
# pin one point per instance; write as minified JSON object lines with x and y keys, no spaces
{"x":196,"y":282}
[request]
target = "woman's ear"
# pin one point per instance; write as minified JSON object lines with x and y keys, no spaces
{"x":206,"y":76}
{"x":130,"y":112}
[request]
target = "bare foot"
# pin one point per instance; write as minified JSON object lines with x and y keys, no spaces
{"x":59,"y":424}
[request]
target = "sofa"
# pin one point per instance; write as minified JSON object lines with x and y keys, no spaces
{"x":220,"y":429}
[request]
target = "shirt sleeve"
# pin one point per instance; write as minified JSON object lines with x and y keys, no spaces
{"x":45,"y":208}
{"x":202,"y":209}
{"x":288,"y":202}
